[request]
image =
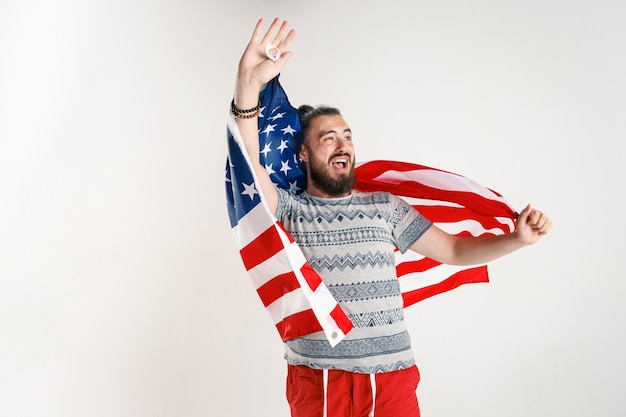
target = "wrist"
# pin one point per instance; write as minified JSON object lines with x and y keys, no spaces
{"x":246,"y":95}
{"x":519,"y":239}
{"x":247,"y":113}
{"x":248,"y":82}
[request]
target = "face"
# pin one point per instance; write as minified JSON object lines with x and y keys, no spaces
{"x":328,"y":153}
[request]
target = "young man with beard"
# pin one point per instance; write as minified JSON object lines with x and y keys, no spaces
{"x":349,"y":238}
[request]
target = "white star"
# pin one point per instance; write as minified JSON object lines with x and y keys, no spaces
{"x":288,"y":130}
{"x":285,"y":167}
{"x":277,"y":116}
{"x":250,"y":191}
{"x":261,"y":112}
{"x":293,"y":187}
{"x":283,"y":146}
{"x":266,"y":150}
{"x":269,"y":169}
{"x":268,"y":129}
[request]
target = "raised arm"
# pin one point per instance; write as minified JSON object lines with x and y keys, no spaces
{"x":256,"y":69}
{"x":531,"y":225}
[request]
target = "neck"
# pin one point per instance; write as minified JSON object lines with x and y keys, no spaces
{"x":316,"y":192}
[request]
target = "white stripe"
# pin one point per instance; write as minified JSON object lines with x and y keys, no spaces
{"x":287,"y":260}
{"x":440,"y":180}
{"x":472,"y":226}
{"x":292,"y":249}
{"x":272,"y":267}
{"x":291,"y":303}
{"x":414,"y":201}
{"x":510,"y":223}
{"x":373,"y":384}
{"x":255,"y":222}
{"x":432,"y":203}
{"x":321,"y":301}
{"x":325,"y":379}
{"x":296,"y":301}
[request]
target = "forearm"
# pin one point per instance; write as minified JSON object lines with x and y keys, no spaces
{"x":471,"y":250}
{"x":247,"y":97}
{"x":465,"y":250}
{"x":436,"y":244}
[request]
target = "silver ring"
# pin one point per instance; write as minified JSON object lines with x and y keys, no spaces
{"x":272,"y":52}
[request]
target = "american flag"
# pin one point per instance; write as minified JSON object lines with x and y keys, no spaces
{"x":294,"y":295}
{"x":455,"y":204}
{"x":292,"y":292}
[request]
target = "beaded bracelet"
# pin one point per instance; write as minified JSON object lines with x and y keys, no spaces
{"x":247,"y":113}
{"x":247,"y":116}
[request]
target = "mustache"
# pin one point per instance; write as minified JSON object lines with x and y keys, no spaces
{"x":338,"y":154}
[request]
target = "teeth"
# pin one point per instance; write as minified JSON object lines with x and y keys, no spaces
{"x":341,"y":161}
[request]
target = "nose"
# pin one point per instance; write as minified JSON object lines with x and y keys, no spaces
{"x":342,"y":145}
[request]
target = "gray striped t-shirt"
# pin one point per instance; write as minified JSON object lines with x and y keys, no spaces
{"x":350,"y":242}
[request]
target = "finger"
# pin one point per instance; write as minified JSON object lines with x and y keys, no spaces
{"x":283,"y":47}
{"x":270,"y":31}
{"x":534,"y":218}
{"x":286,"y":42}
{"x":257,"y":31}
{"x":545,"y":226}
{"x":539,"y":219}
{"x":282,"y":60}
{"x":278,"y":39}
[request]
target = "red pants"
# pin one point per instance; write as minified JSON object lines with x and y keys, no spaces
{"x":345,"y":394}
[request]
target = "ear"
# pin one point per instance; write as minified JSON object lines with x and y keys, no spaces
{"x":302,"y":154}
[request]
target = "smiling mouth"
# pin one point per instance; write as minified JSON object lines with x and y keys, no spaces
{"x":341,"y":162}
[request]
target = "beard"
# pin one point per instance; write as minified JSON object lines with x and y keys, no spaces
{"x":333,"y":187}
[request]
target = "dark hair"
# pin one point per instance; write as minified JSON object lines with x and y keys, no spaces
{"x":308,"y":113}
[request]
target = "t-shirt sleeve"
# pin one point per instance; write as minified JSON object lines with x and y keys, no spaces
{"x":408,"y":224}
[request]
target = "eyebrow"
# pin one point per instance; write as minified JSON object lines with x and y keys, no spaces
{"x":334,"y":131}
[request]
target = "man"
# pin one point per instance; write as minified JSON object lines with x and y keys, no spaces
{"x":349,"y":238}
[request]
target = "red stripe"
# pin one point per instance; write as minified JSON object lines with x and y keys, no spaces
{"x":343,"y":322}
{"x":276,"y":287}
{"x":373,"y":169}
{"x":421,"y":265}
{"x":366,"y":173}
{"x":457,"y":214}
{"x":467,"y":276}
{"x":414,"y":189}
{"x":298,"y":324}
{"x":311,"y":277}
{"x":263,"y":247}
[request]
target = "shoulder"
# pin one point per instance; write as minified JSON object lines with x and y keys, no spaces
{"x":290,"y":202}
{"x":286,"y":197}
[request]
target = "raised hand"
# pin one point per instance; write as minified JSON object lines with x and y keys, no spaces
{"x":255,"y":67}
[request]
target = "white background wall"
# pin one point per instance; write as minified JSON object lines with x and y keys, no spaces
{"x":118,"y":272}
